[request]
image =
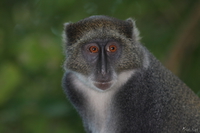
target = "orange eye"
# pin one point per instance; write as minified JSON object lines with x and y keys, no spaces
{"x":93,"y":49}
{"x":112,"y":48}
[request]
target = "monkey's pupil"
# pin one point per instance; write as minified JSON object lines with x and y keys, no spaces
{"x":94,"y":49}
{"x":112,"y":48}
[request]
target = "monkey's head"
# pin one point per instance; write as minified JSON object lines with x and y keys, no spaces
{"x":102,"y":51}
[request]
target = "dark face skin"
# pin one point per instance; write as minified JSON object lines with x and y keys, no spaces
{"x":101,"y":56}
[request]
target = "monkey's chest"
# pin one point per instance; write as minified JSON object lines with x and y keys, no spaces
{"x":99,"y":111}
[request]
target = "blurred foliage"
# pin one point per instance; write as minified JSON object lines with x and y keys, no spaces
{"x":31,"y":56}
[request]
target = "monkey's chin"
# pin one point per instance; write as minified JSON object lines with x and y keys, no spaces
{"x":103,"y":85}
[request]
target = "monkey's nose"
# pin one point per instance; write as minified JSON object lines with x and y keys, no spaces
{"x":103,"y":72}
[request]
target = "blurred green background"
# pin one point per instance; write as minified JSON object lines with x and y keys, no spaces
{"x":31,"y":56}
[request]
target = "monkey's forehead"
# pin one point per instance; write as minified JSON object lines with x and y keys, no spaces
{"x":100,"y":24}
{"x":102,"y":21}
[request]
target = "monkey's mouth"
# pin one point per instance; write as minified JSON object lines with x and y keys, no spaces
{"x":103,"y":85}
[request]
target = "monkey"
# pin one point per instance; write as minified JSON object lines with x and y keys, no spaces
{"x":118,"y":86}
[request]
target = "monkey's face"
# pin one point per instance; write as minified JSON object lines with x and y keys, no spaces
{"x":101,"y":57}
{"x":102,"y":64}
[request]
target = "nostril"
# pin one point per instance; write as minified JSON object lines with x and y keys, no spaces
{"x":103,"y":72}
{"x":98,"y":72}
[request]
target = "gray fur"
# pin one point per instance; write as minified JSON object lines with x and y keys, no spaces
{"x":144,"y":97}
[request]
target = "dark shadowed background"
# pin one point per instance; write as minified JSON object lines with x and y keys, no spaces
{"x":31,"y":96}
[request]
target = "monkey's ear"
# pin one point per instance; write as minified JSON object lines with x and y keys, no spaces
{"x":66,"y":25}
{"x":66,"y":36}
{"x":135,"y":31}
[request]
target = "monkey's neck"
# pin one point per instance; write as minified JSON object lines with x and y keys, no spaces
{"x":97,"y":113}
